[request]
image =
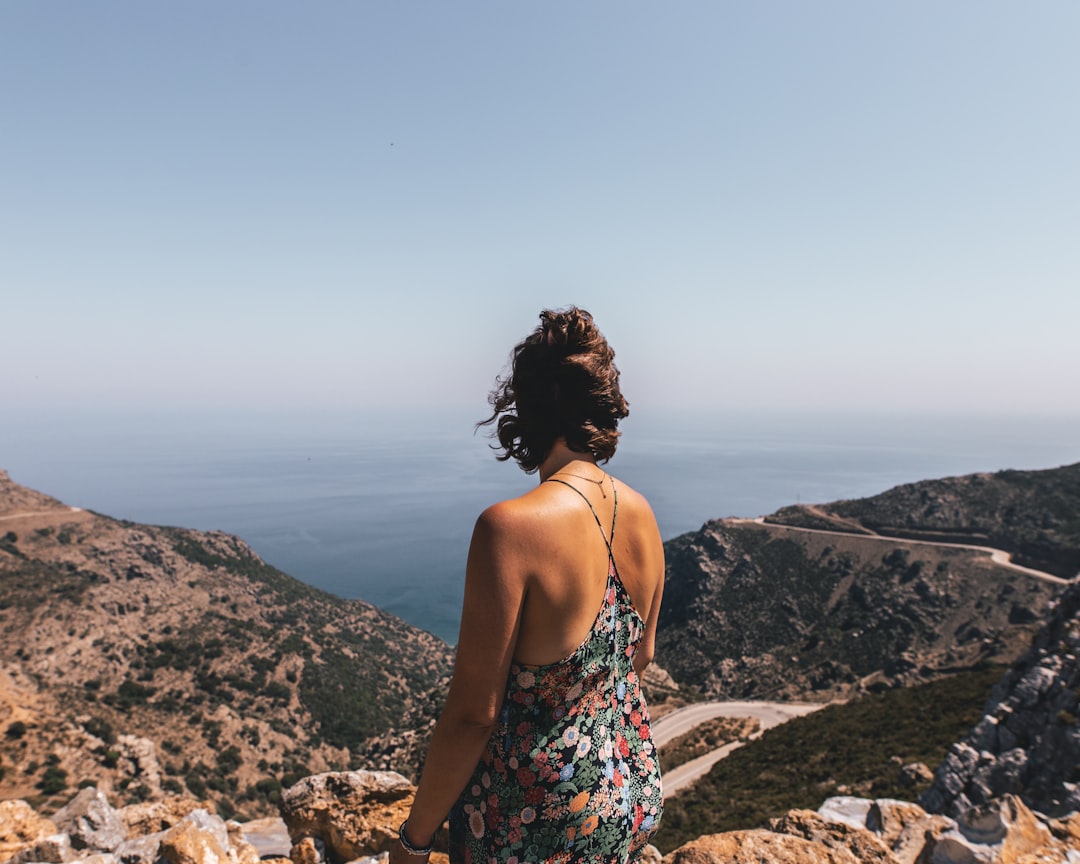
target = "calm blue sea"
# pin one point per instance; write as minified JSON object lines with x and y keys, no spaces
{"x":382,"y":508}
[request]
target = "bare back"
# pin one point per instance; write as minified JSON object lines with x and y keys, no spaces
{"x":562,"y":557}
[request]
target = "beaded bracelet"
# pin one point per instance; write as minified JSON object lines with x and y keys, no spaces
{"x":407,"y":846}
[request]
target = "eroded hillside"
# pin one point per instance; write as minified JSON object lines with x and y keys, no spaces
{"x":150,"y":659}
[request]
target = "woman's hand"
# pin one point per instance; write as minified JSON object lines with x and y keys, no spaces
{"x":401,"y":854}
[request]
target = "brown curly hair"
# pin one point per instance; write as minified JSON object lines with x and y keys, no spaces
{"x":562,"y":383}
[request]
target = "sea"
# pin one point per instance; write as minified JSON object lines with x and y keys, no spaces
{"x":381,"y":506}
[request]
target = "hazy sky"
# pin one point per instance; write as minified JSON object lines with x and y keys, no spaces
{"x":779,"y":205}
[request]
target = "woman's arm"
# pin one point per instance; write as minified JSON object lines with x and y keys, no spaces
{"x":494,"y":594}
{"x":647,"y":646}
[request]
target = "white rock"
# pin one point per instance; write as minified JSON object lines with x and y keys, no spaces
{"x":90,"y":821}
{"x":846,"y":809}
{"x":954,"y":848}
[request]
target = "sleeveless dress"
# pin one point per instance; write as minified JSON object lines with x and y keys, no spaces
{"x":570,"y":773}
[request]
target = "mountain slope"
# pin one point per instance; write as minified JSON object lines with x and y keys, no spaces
{"x":771,"y":610}
{"x":154,"y":659}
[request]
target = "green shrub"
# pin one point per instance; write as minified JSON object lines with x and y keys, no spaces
{"x":229,"y":760}
{"x":53,"y":780}
{"x":138,"y":793}
{"x":277,"y":691}
{"x":129,"y":694}
{"x":101,"y":728}
{"x":269,"y":789}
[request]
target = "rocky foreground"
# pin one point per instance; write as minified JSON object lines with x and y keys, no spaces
{"x":992,"y":797}
{"x":353,"y":816}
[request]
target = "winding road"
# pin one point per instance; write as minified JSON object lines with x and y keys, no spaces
{"x":770,"y":714}
{"x":998,"y":556}
{"x":679,"y":722}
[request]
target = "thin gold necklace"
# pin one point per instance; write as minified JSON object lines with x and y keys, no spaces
{"x":599,"y":482}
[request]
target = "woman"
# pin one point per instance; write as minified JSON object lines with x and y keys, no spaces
{"x":543,"y":751}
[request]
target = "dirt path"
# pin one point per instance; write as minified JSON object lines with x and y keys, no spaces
{"x":43,"y":518}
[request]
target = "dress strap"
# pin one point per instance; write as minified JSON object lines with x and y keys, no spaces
{"x":614,"y":512}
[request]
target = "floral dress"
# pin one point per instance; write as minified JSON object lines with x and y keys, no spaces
{"x":570,"y":773}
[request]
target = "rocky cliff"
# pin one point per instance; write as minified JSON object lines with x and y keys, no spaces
{"x":1028,"y":741}
{"x":151,"y":660}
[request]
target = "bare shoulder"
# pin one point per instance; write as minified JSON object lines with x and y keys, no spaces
{"x":634,"y":505}
{"x":512,"y":517}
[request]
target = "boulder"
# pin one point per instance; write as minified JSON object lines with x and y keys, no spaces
{"x":269,"y":836}
{"x":353,"y":813}
{"x":100,"y":858}
{"x":151,"y":817}
{"x":657,"y":677}
{"x":1067,"y":830}
{"x":915,"y":773}
{"x":859,"y":842}
{"x":140,"y":850}
{"x":54,"y":849}
{"x":1001,"y":832}
{"x":888,"y":818}
{"x":198,"y":838}
{"x":90,"y":821}
{"x":846,"y":809}
{"x":138,"y":760}
{"x":650,"y":855}
{"x":308,"y":850}
{"x":906,"y":828}
{"x":20,"y":826}
{"x":756,"y":847}
{"x":1022,"y":833}
{"x":240,"y":851}
{"x":953,"y":848}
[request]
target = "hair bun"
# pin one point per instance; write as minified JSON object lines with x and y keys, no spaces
{"x":571,"y":327}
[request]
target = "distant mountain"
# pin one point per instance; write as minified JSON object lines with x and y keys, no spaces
{"x":771,"y":610}
{"x":151,"y":659}
{"x":1033,"y":514}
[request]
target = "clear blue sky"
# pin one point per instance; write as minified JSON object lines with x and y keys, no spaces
{"x":784,"y":205}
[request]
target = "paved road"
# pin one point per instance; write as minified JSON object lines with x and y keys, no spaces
{"x":771,"y":714}
{"x":670,"y":726}
{"x":998,"y":556}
